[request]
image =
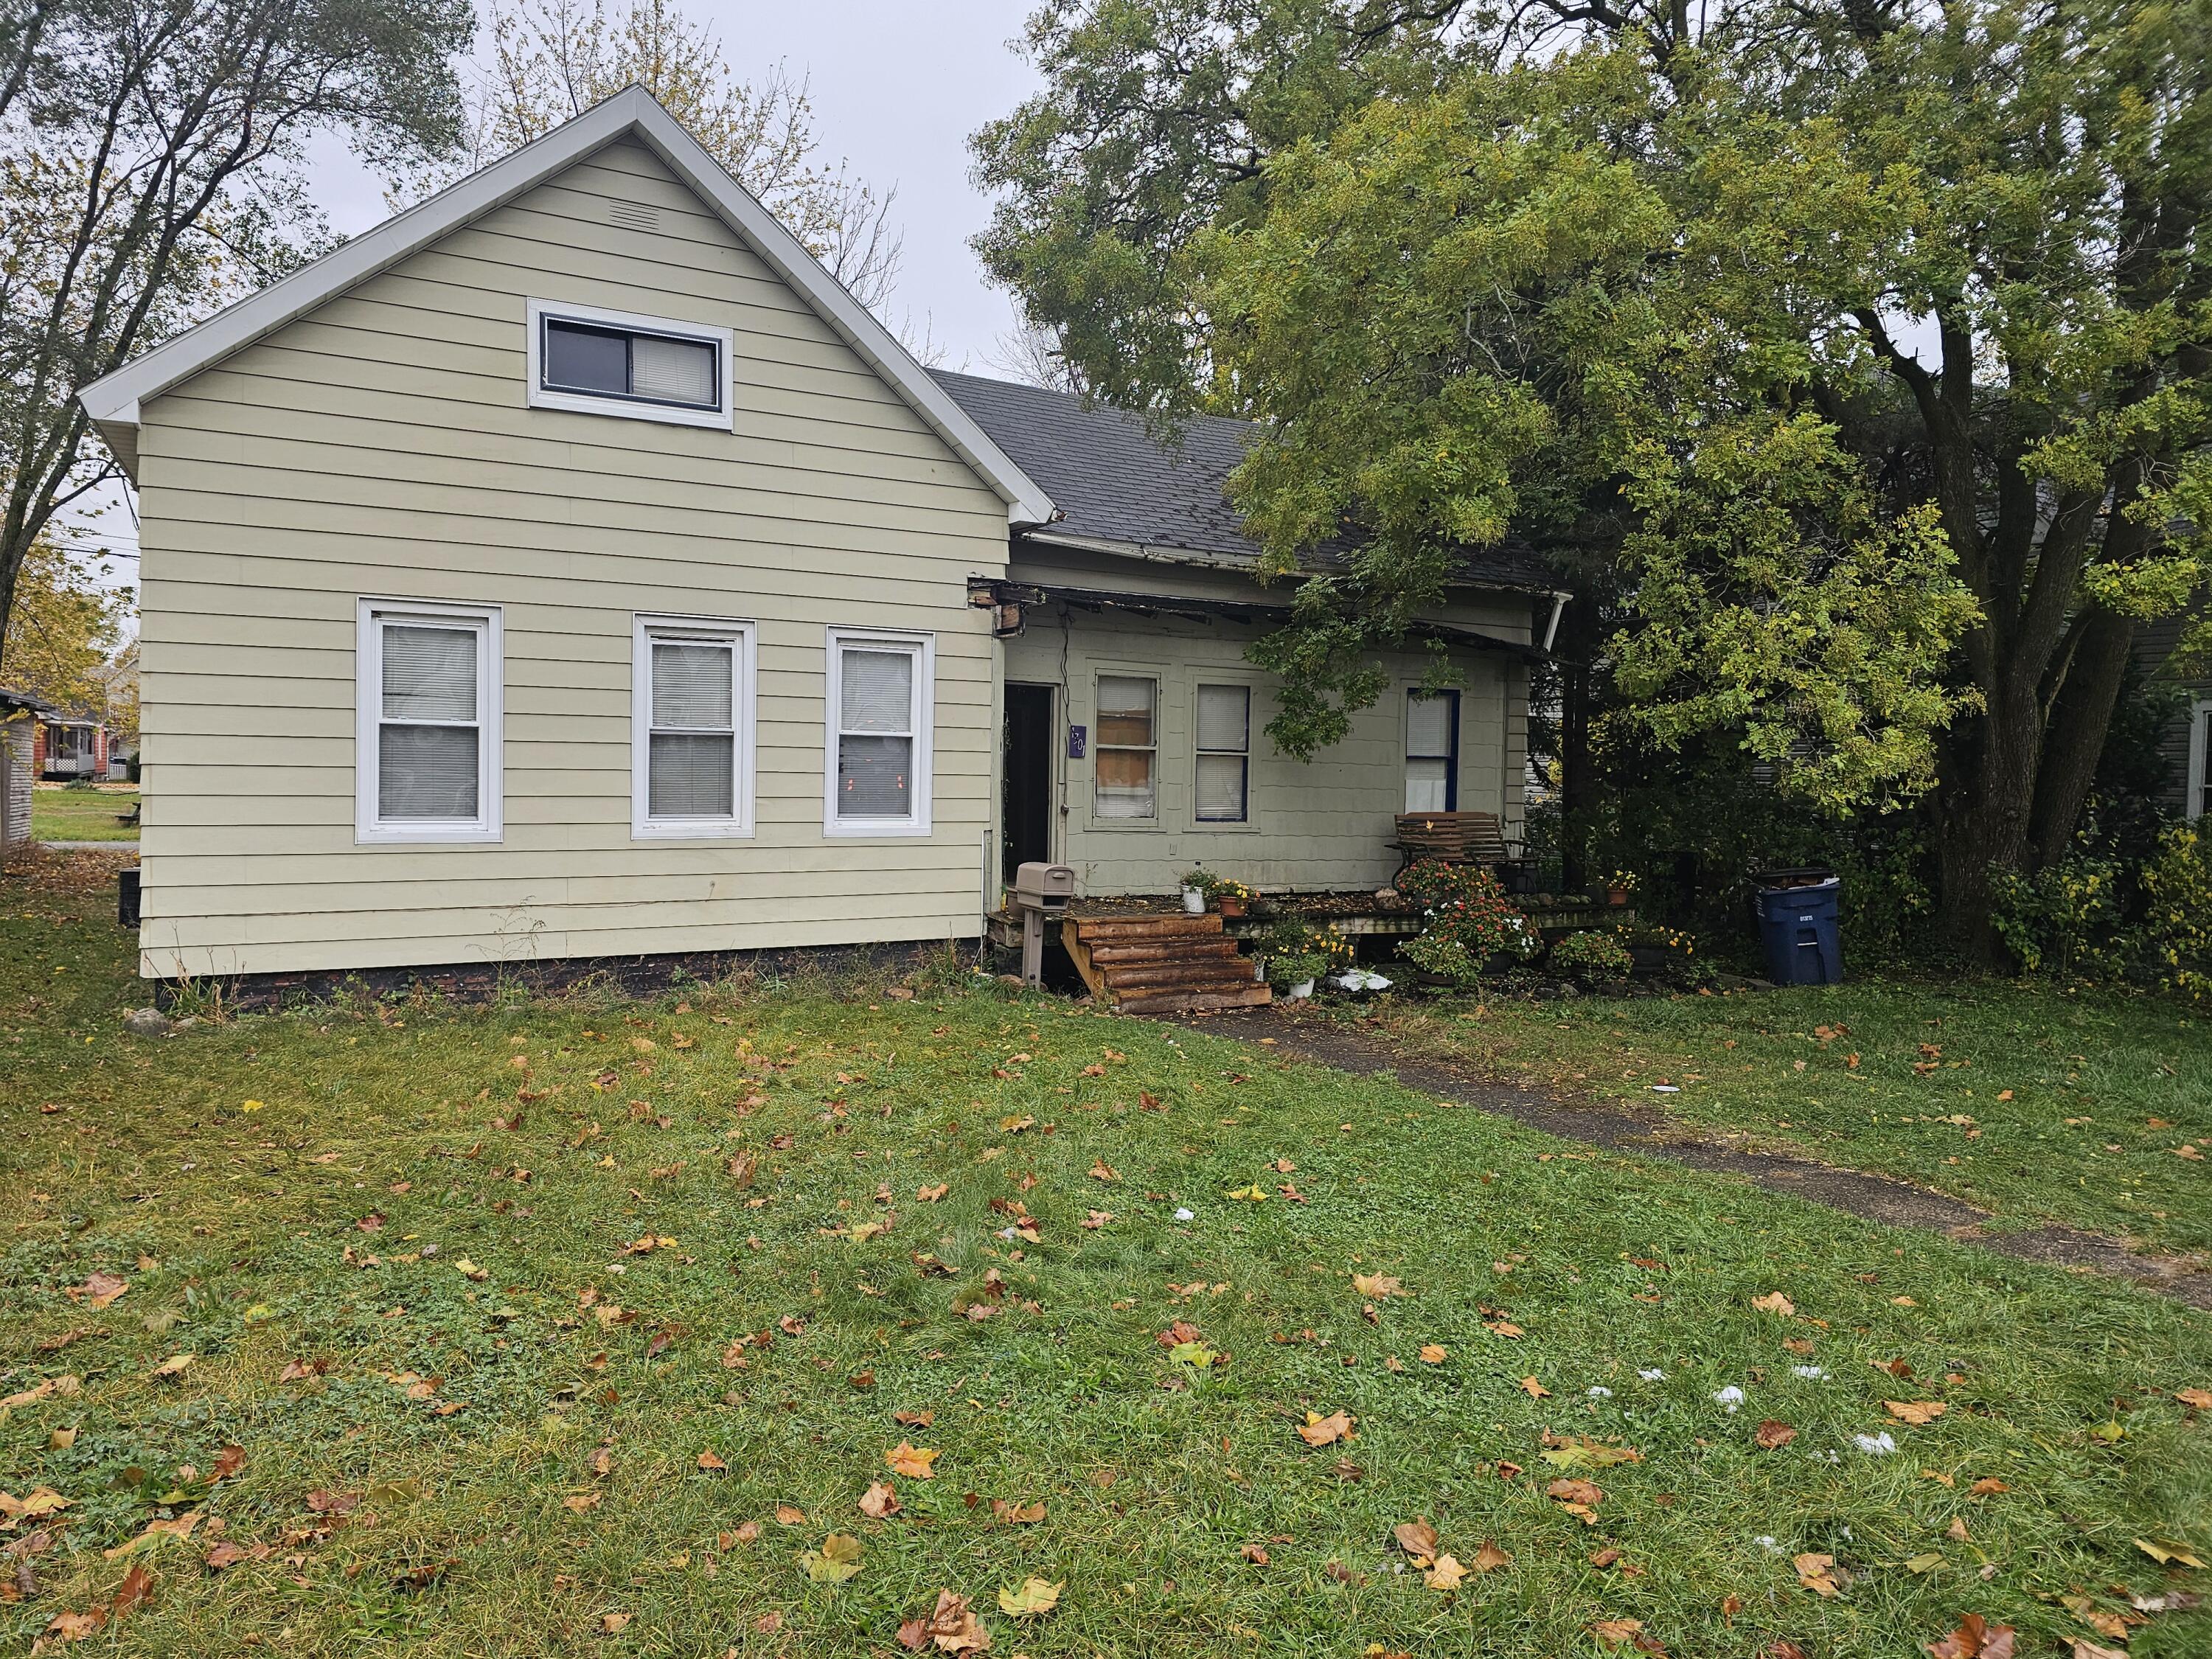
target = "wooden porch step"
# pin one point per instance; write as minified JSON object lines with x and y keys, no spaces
{"x":1161,"y":964}
{"x":1136,"y":928}
{"x":1152,"y":975}
{"x":1179,"y":950}
{"x":1254,"y":996}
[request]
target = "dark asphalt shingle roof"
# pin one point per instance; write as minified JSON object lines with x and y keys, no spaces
{"x":1115,"y":482}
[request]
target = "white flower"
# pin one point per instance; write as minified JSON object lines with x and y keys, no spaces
{"x":1186,"y":1215}
{"x":1875,"y":1445}
{"x":1729,"y":1398}
{"x":1653,"y":1375}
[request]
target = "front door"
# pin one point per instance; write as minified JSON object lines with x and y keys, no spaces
{"x":1026,"y":792}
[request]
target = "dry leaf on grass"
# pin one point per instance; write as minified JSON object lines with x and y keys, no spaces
{"x":1318,"y":1430}
{"x":1490,"y":1558}
{"x":1975,"y":1638}
{"x":1434,"y":1353}
{"x":1033,"y":1599}
{"x":952,"y":1627}
{"x":880,"y":1500}
{"x":1535,"y":1390}
{"x":1914,"y":1411}
{"x":1820,"y":1574}
{"x":1772,"y":1434}
{"x":912,"y":1460}
{"x":1417,"y":1538}
{"x":1376,"y":1285}
{"x":1774,"y":1303}
{"x":838,"y":1559}
{"x":1447,"y":1574}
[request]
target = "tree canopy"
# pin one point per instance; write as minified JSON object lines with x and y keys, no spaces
{"x":1862,"y":346}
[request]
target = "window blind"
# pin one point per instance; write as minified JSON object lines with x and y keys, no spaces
{"x":1223,"y":717}
{"x":429,"y":673}
{"x":1122,"y":773}
{"x":875,"y":742}
{"x":429,"y":743}
{"x":673,"y":371}
{"x":1428,"y":725}
{"x":692,"y":750}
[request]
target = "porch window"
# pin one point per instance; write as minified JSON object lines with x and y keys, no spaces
{"x":1432,"y":751}
{"x":1127,"y":747}
{"x":428,"y":724}
{"x":879,"y":733}
{"x":1225,"y":753}
{"x":691,"y":720}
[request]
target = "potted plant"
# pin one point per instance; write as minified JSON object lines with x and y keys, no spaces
{"x":1471,"y":929}
{"x":1231,"y":898}
{"x":1293,"y":972}
{"x":1593,"y":958}
{"x":1619,"y":886}
{"x":1198,"y":886}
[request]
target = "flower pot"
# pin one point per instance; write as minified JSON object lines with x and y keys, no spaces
{"x":1194,"y":901}
{"x":1232,"y":909}
{"x":1616,"y":896}
{"x":1299,"y":992}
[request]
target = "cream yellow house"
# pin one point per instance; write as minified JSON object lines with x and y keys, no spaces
{"x":569,"y":568}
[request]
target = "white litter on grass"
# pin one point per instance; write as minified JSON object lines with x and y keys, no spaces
{"x":1769,"y":1542}
{"x":1186,"y":1215}
{"x":1729,"y":1398}
{"x":1600,"y":1393}
{"x":1810,"y":1373}
{"x":1360,"y":979}
{"x":1665,"y":1089}
{"x":1653,"y":1375}
{"x":1826,"y":1456}
{"x":1875,"y":1445}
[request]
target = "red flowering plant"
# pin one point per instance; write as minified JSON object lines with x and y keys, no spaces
{"x":1468,"y":920}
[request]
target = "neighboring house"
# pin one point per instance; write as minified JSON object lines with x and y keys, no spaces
{"x":570,"y":567}
{"x":2187,"y":739}
{"x":18,"y":720}
{"x":70,"y":747}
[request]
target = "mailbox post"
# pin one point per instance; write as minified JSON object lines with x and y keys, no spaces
{"x":1040,"y":890}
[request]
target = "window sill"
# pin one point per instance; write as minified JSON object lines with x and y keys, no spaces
{"x":582,"y":402}
{"x":872,"y":829}
{"x":705,"y":830}
{"x":428,"y":835}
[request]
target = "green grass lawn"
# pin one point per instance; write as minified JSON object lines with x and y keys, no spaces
{"x":465,"y":1289}
{"x":61,"y":813}
{"x":2094,"y":1110}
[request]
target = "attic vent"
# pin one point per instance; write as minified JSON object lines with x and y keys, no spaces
{"x":634,"y":216}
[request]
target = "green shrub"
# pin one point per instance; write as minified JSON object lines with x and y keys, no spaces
{"x":1592,"y":957}
{"x":2176,"y":937}
{"x":1472,"y":923}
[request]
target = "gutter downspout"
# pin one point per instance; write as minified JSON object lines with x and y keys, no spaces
{"x":1552,"y":628}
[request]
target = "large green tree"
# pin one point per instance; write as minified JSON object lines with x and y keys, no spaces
{"x":151,"y":167}
{"x":1794,"y":318}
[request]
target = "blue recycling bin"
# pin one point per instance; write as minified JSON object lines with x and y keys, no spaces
{"x":1799,"y":926}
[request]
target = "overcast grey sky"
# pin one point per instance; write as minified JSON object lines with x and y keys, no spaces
{"x":897,"y":87}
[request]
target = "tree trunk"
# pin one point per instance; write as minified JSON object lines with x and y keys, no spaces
{"x":1986,"y":799}
{"x":2081,"y":707}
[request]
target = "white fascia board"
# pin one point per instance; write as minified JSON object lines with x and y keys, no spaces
{"x":113,"y":400}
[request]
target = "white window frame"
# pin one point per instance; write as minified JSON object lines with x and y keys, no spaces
{"x":2198,"y":801}
{"x":369,"y":827}
{"x":1157,"y":818}
{"x":587,"y":402}
{"x":924,"y":648}
{"x":1200,"y":685}
{"x":742,"y":636}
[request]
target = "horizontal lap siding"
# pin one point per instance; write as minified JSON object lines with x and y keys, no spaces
{"x":381,"y":447}
{"x":1313,"y":825}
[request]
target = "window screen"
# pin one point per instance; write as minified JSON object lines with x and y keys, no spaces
{"x":614,"y":362}
{"x":1225,"y":758}
{"x":430,"y":730}
{"x":876,"y":730}
{"x":1431,"y":749}
{"x":691,"y":762}
{"x":1123,"y":783}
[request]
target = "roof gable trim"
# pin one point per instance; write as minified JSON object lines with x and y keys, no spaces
{"x":113,"y":400}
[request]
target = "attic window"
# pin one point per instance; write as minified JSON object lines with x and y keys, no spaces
{"x":606,"y":363}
